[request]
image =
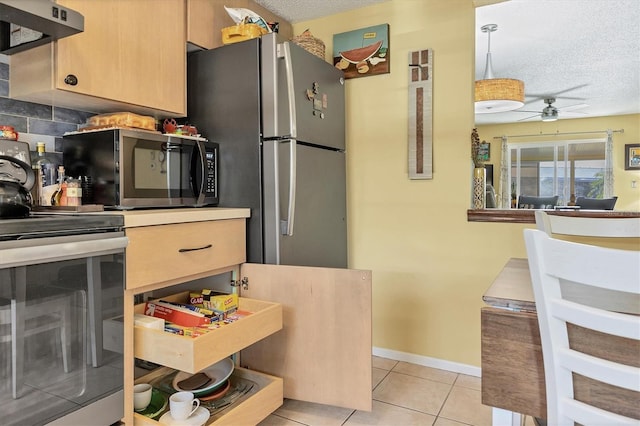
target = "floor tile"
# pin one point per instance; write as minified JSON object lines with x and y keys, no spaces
{"x":383,"y":363}
{"x":471,"y":382}
{"x":387,"y":414}
{"x":412,"y":392}
{"x":464,"y":405}
{"x":312,"y":414}
{"x":441,"y":421}
{"x":274,"y":420}
{"x":377,"y":375}
{"x":425,"y":372}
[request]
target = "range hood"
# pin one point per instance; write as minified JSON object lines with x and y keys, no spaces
{"x":25,"y":24}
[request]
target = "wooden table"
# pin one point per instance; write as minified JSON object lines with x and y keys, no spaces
{"x":512,"y":369}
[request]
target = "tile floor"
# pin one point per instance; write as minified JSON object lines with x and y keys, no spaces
{"x":404,"y":394}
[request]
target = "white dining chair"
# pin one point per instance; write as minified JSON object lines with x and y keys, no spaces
{"x":613,"y":227}
{"x":552,"y":262}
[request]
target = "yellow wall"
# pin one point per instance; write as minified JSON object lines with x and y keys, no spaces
{"x":628,"y":197}
{"x":430,"y":266}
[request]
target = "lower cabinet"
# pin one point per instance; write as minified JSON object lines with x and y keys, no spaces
{"x":308,"y":337}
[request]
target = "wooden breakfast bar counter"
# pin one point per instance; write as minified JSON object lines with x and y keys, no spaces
{"x":528,"y":215}
{"x":512,"y":369}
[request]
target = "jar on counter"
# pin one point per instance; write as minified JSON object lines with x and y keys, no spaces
{"x":74,"y":192}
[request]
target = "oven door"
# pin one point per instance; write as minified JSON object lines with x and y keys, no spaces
{"x":156,"y":171}
{"x":61,"y":349}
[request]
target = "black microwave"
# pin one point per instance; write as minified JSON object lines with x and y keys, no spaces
{"x":125,"y":169}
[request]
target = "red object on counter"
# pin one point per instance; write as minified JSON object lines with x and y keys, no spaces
{"x":8,"y":132}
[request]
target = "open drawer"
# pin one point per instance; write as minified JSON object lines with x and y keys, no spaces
{"x":192,"y":354}
{"x":256,"y":405}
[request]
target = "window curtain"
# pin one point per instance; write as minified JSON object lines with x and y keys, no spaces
{"x":608,"y":166}
{"x":504,"y":201}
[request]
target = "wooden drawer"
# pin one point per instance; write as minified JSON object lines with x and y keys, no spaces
{"x":179,"y":252}
{"x":192,"y":354}
{"x":247,"y":412}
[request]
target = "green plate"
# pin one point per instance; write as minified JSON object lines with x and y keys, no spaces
{"x":156,"y":406}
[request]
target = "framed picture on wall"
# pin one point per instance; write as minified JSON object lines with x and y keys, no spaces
{"x":632,"y":157}
{"x":484,"y":152}
{"x":362,"y":52}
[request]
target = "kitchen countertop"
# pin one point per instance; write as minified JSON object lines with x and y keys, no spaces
{"x":149,"y":217}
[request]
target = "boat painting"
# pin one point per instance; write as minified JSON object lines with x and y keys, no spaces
{"x":362,"y":52}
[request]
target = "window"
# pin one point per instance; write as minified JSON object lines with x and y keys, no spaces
{"x":558,"y":168}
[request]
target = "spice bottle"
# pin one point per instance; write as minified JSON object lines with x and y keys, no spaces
{"x":74,"y":192}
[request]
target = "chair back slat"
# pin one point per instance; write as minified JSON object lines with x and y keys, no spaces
{"x":553,"y":262}
{"x":614,"y":227}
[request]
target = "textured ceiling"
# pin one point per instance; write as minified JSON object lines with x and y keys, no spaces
{"x":578,"y":51}
{"x":303,"y":10}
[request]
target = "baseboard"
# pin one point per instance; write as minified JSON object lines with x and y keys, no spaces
{"x":440,"y":364}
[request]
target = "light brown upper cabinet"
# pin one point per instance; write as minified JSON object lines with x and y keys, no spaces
{"x":207,"y":18}
{"x":130,"y":57}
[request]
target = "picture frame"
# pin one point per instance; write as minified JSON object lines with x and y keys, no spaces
{"x":363,"y":52}
{"x":632,"y":156}
{"x":484,"y":151}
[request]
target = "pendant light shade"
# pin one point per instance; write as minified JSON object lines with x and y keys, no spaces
{"x":496,"y":94}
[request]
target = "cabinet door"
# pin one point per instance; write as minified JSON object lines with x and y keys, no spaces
{"x":323,"y":351}
{"x":200,"y":30}
{"x":130,"y":51}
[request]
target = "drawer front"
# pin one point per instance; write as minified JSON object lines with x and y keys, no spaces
{"x":166,"y":253}
{"x":258,"y":404}
{"x":192,"y":354}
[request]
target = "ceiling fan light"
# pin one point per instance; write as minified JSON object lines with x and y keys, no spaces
{"x":549,"y":117}
{"x":498,"y":95}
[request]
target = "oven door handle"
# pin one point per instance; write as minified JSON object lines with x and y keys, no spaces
{"x":60,"y":251}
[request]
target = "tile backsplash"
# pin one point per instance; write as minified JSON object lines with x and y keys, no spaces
{"x":36,"y":122}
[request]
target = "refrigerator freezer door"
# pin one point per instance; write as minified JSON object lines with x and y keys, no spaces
{"x":318,"y":96}
{"x":319,"y":234}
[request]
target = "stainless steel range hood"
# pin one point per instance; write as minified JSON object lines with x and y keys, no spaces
{"x":29,"y":23}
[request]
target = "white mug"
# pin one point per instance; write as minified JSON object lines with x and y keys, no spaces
{"x":141,"y":396}
{"x":182,"y":405}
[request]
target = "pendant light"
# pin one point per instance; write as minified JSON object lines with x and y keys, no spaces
{"x":496,"y":94}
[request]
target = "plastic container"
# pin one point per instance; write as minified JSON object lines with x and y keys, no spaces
{"x":241,"y":32}
{"x":123,"y":119}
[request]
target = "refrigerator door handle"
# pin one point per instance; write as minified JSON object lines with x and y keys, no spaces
{"x":287,"y":229}
{"x":288,"y":69}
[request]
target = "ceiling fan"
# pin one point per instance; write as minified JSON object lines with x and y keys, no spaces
{"x":551,"y":113}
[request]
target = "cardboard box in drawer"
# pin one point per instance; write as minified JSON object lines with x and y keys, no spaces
{"x":175,"y":314}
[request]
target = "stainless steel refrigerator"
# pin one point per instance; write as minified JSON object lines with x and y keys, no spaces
{"x":278,"y":114}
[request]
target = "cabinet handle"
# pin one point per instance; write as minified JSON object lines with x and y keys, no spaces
{"x":183,"y":250}
{"x":71,"y":80}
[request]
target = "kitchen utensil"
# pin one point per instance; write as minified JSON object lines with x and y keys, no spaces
{"x":198,"y":418}
{"x":218,"y":372}
{"x":182,"y":405}
{"x":15,"y":199}
{"x":142,"y":393}
{"x":158,"y":404}
{"x":216,"y":394}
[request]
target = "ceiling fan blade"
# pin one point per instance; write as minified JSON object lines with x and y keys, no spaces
{"x":572,"y":107}
{"x":571,"y":113}
{"x":524,"y":110}
{"x":527,"y":118}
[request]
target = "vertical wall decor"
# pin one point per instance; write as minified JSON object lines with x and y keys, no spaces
{"x":421,"y":114}
{"x":362,"y":52}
